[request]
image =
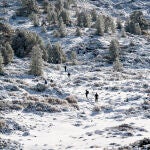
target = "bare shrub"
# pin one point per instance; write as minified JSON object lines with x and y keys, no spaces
{"x":96,"y":108}
{"x":71,"y":99}
{"x":56,"y":101}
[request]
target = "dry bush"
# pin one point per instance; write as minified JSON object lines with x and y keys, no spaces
{"x":56,"y":101}
{"x":143,"y":144}
{"x":76,"y":106}
{"x":96,"y":108}
{"x":7,"y":144}
{"x":8,"y":105}
{"x":41,"y":106}
{"x":71,"y":99}
{"x":2,"y":124}
{"x":32,"y":98}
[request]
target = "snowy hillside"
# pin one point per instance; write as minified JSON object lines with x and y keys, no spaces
{"x":51,"y":111}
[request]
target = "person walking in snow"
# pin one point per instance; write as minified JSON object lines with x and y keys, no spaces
{"x":86,"y":93}
{"x":69,"y":75}
{"x":96,"y":97}
{"x":45,"y":81}
{"x":65,"y":68}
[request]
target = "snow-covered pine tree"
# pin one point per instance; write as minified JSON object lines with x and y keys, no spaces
{"x":117,"y":65}
{"x":114,"y":49}
{"x":55,"y":54}
{"x":78,"y":32}
{"x":10,"y":53}
{"x":62,"y":28}
{"x":100,"y":25}
{"x":1,"y":64}
{"x":36,"y":65}
{"x":137,"y":29}
{"x":65,"y":16}
{"x":94,"y":15}
{"x":35,"y":19}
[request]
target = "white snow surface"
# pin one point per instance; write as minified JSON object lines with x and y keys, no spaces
{"x":118,"y":92}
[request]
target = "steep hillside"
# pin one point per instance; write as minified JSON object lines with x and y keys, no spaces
{"x":51,"y":110}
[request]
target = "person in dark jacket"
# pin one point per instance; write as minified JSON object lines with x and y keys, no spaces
{"x":65,"y":68}
{"x":96,"y":97}
{"x":69,"y":75}
{"x":86,"y":93}
{"x":45,"y":81}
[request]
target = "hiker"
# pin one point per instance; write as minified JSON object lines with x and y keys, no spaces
{"x":51,"y":81}
{"x":96,"y":97}
{"x":65,"y":68}
{"x":45,"y":81}
{"x":86,"y":93}
{"x":69,"y":75}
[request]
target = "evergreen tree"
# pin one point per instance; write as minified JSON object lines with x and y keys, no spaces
{"x":83,"y":19}
{"x":137,"y":29}
{"x":78,"y":32}
{"x":49,"y":48}
{"x":35,"y":19}
{"x":114,"y":49}
{"x":59,"y":5}
{"x":117,"y":65}
{"x":65,"y":16}
{"x":36,"y":64}
{"x":52,"y":17}
{"x":94,"y":15}
{"x":109,"y":24}
{"x":100,"y":25}
{"x":56,"y":54}
{"x":123,"y":32}
{"x":7,"y":53}
{"x":1,"y":64}
{"x":62,"y":29}
{"x":119,"y":25}
{"x":28,"y":7}
{"x":74,"y":57}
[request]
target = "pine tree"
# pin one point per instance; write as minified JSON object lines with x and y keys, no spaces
{"x":59,"y":5}
{"x":65,"y":16}
{"x":137,"y":29}
{"x":94,"y":15}
{"x":112,"y":25}
{"x":117,"y":65}
{"x":119,"y":25}
{"x":7,"y":53}
{"x":52,"y":17}
{"x":114,"y":49}
{"x":78,"y":32}
{"x":10,"y":53}
{"x":56,"y":54}
{"x":74,"y":57}
{"x":49,"y":48}
{"x":62,"y":29}
{"x":35,"y":19}
{"x":43,"y":29}
{"x":100,"y":25}
{"x":28,"y":7}
{"x":123,"y":32}
{"x":36,"y":64}
{"x":1,"y":64}
{"x":83,"y":19}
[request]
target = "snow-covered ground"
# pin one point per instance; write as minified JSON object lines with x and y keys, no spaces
{"x":122,"y":95}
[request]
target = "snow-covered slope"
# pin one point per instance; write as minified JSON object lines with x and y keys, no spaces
{"x":122,"y":114}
